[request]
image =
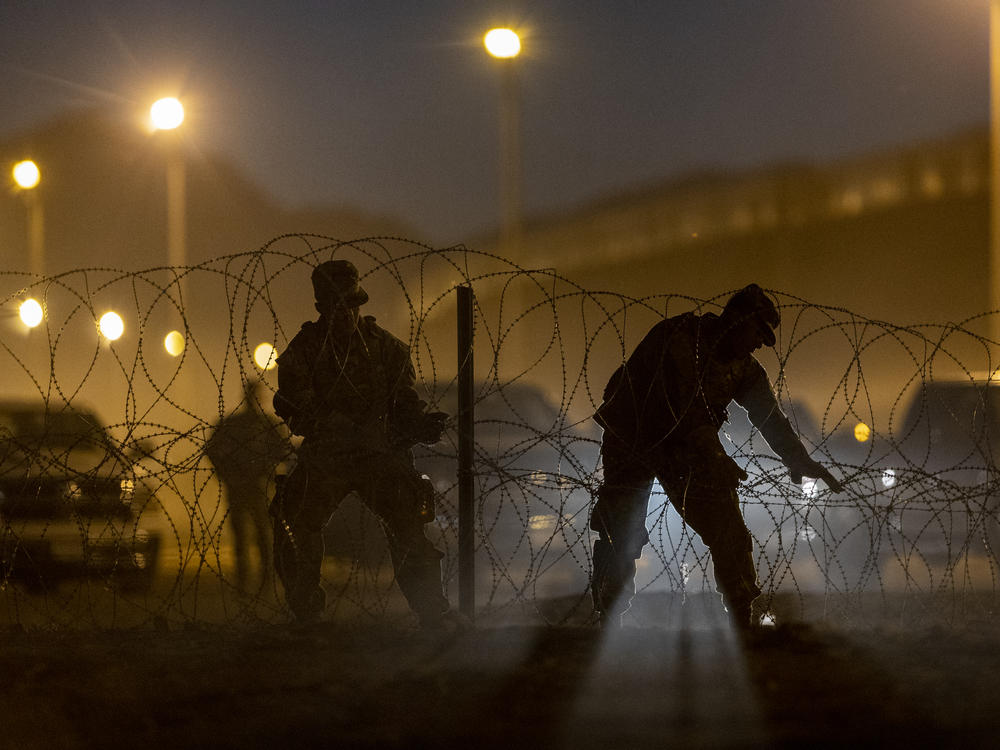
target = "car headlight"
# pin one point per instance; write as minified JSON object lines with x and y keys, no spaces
{"x":127,"y":491}
{"x":889,"y":478}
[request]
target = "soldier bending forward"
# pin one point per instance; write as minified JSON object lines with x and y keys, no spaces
{"x":661,"y":416}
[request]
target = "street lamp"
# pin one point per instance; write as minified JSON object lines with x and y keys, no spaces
{"x":111,"y":326}
{"x":505,"y":46}
{"x":31,"y":313}
{"x":502,"y":43}
{"x":173,"y":342}
{"x":166,"y":113}
{"x":265,"y":357}
{"x":27,"y":176}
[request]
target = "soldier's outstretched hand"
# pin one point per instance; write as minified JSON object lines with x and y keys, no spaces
{"x":814,"y":470}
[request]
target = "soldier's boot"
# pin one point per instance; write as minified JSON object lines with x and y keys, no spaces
{"x":612,"y":585}
{"x":297,"y":562}
{"x":741,"y":615}
{"x":735,"y":575}
{"x":420,"y":582}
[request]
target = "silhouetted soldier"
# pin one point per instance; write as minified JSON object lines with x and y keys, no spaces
{"x":661,"y":416}
{"x":245,"y":447}
{"x":346,"y":386}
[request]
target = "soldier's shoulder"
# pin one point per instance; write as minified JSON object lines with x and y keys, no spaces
{"x":375,"y":331}
{"x":306,"y":334}
{"x":309,"y":328}
{"x":675,"y":324}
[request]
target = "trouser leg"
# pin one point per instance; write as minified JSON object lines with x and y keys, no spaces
{"x":263,"y":535}
{"x":619,"y":517}
{"x":239,"y":522}
{"x":299,"y":512}
{"x":415,"y":560}
{"x":714,"y":514}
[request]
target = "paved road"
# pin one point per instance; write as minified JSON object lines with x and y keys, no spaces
{"x":511,"y":687}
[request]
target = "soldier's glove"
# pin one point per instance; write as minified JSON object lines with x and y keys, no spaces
{"x":806,"y":467}
{"x":431,"y":428}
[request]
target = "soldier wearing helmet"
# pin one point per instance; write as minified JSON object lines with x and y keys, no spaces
{"x":661,"y":414}
{"x":347,"y":386}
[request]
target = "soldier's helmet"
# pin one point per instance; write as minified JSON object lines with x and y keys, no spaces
{"x":336,"y":282}
{"x":751,"y":302}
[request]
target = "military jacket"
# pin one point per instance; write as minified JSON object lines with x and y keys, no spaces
{"x":357,"y":393}
{"x":677,"y":384}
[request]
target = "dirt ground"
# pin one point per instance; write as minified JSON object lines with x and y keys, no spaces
{"x":687,"y":684}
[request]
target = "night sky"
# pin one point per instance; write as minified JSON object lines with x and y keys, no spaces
{"x":392,"y":106}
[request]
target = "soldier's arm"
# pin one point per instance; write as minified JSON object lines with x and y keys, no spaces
{"x":295,"y":399}
{"x":757,"y":397}
{"x":410,"y":421}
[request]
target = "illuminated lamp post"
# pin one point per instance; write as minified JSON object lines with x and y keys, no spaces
{"x":27,"y":176}
{"x":505,"y":45}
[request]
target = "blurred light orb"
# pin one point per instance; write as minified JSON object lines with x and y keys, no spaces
{"x":30,"y":312}
{"x":167,"y":113}
{"x":889,"y":478}
{"x":111,"y":326}
{"x":27,"y":174}
{"x":810,"y":488}
{"x":502,"y":43}
{"x":265,"y":356}
{"x":862,"y":432}
{"x":173,"y":342}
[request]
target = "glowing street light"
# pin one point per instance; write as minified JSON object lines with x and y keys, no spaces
{"x":862,"y":432}
{"x":889,"y":478}
{"x":31,"y":313}
{"x":26,"y":174}
{"x":505,"y":46}
{"x":167,"y":113}
{"x":502,"y":43}
{"x":173,"y":342}
{"x":111,"y":326}
{"x":265,"y":356}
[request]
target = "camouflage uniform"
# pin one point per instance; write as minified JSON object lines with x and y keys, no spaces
{"x":661,"y":415}
{"x":353,"y":400}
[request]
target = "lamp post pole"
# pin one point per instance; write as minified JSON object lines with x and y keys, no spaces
{"x":993,"y":303}
{"x":27,"y":176}
{"x":167,"y":114}
{"x":510,"y":157}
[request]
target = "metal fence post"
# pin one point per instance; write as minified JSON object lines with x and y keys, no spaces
{"x":466,"y":442}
